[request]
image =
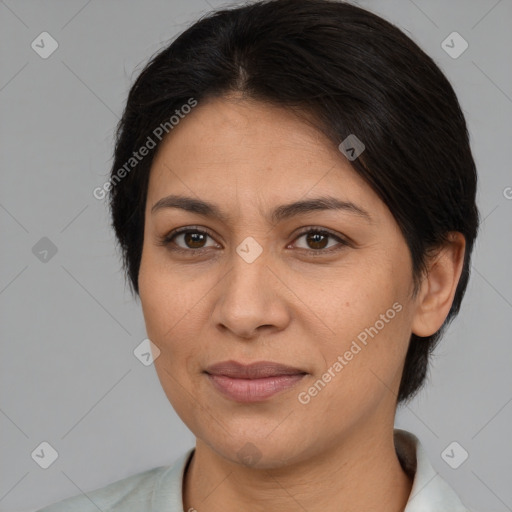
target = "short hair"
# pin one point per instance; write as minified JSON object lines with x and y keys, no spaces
{"x":350,"y":71}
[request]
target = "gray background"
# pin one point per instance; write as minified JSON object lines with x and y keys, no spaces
{"x":69,"y":325}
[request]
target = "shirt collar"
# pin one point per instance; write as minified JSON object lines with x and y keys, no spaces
{"x":430,"y":492}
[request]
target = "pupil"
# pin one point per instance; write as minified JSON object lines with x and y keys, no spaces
{"x":192,"y":238}
{"x":312,"y":236}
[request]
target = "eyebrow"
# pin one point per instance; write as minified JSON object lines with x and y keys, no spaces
{"x":280,"y":213}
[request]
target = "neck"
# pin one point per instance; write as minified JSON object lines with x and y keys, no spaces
{"x":362,"y":472}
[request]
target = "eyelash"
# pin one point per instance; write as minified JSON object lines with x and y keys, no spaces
{"x":167,"y":240}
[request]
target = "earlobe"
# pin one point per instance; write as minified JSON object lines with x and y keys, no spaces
{"x":438,"y":286}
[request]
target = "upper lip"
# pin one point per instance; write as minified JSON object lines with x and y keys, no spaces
{"x":257,"y":370}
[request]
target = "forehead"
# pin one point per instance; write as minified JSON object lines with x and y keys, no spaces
{"x":227,"y":129}
{"x":255,"y":149}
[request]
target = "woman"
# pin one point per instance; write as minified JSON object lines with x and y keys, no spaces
{"x":293,"y":192}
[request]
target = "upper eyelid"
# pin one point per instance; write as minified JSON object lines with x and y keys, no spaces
{"x":186,"y":229}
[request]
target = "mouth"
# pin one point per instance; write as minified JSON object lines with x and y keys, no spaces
{"x":254,"y":382}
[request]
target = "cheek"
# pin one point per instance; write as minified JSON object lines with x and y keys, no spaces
{"x":371,"y":322}
{"x":173,"y":311}
{"x":168,"y":317}
{"x":355,"y":298}
{"x":361,"y":373}
{"x":165,"y":295}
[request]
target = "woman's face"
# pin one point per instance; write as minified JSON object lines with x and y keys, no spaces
{"x":259,"y":287}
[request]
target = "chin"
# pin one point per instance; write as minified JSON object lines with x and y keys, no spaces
{"x":259,"y":452}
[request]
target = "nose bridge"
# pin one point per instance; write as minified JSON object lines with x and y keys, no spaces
{"x":247,"y":299}
{"x":249,"y":267}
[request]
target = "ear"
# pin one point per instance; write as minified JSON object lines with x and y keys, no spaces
{"x":438,"y":287}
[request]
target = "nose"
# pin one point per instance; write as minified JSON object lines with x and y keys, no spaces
{"x":251,"y":299}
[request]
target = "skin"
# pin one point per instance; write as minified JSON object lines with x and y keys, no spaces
{"x":288,"y":306}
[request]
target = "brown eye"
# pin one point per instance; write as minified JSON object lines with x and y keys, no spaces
{"x":187,"y":240}
{"x":194,"y":239}
{"x":318,"y":241}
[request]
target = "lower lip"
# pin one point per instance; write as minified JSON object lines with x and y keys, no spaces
{"x":253,"y":390}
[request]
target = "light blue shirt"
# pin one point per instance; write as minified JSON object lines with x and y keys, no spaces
{"x":159,"y":489}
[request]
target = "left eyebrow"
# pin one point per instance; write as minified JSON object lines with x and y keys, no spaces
{"x":280,"y":213}
{"x":286,"y":211}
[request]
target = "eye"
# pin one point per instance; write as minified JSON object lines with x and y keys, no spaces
{"x":187,"y":240}
{"x":317,"y":240}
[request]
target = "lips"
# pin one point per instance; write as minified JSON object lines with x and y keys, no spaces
{"x":254,"y":382}
{"x":257,"y":370}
